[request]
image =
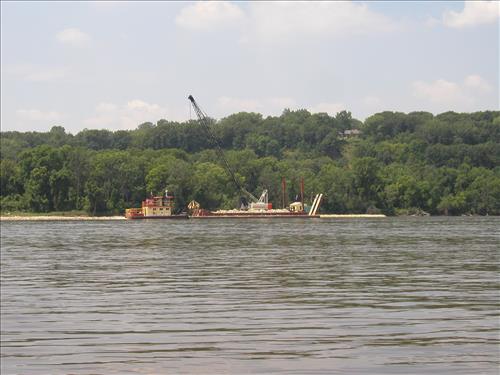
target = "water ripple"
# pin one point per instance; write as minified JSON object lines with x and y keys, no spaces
{"x":414,"y":295}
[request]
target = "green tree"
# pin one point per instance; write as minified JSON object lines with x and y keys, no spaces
{"x":10,"y":182}
{"x":38,"y":190}
{"x":365,"y":178}
{"x":212,"y":187}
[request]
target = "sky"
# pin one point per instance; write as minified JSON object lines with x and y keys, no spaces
{"x":114,"y":65}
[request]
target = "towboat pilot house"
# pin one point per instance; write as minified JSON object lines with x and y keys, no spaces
{"x":156,"y":206}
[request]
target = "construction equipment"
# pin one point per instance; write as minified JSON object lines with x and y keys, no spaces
{"x":203,"y":118}
{"x":315,"y":205}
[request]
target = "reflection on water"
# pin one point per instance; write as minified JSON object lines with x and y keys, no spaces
{"x":415,"y":295}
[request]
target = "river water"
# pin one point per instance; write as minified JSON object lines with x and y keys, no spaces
{"x":373,"y":296}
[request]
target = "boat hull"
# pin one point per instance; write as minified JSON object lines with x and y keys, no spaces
{"x":171,"y":217}
{"x":255,"y":216}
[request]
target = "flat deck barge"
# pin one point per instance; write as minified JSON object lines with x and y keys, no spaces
{"x":255,"y":216}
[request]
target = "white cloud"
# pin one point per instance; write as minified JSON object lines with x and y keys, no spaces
{"x":280,"y":20}
{"x":282,"y":102}
{"x":37,"y":115}
{"x":266,"y":106}
{"x":73,"y":37}
{"x":34,"y":73}
{"x":209,"y":15}
{"x":128,"y":115}
{"x":474,"y":13}
{"x":46,"y":75}
{"x":227,"y":104}
{"x":475,"y":81}
{"x":277,"y":20}
{"x":439,"y":91}
{"x":331,"y":108}
{"x":447,"y":95}
{"x":432,"y":22}
{"x":141,"y":106}
{"x":272,"y":106}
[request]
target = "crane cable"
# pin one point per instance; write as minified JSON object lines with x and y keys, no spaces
{"x":218,"y":147}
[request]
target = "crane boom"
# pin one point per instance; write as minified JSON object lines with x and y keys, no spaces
{"x":203,"y":118}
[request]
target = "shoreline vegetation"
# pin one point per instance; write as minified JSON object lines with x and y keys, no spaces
{"x":393,"y":163}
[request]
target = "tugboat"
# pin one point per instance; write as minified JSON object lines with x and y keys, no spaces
{"x":155,"y":207}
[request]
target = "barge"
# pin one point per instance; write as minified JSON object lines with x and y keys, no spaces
{"x":259,"y":210}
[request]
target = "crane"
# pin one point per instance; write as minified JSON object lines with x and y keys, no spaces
{"x":203,"y":118}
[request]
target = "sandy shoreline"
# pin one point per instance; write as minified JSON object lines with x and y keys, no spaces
{"x":104,"y":218}
{"x":60,"y":218}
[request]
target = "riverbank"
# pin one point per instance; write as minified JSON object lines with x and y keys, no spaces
{"x":60,"y":218}
{"x":102,"y":218}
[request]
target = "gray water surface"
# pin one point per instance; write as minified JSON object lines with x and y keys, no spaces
{"x":374,"y":296}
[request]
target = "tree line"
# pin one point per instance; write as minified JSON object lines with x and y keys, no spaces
{"x":394,"y":163}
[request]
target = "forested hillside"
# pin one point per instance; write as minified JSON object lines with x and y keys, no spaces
{"x":396,"y":163}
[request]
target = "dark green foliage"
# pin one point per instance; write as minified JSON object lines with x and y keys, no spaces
{"x":444,"y":164}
